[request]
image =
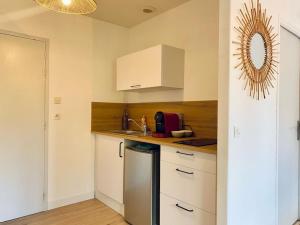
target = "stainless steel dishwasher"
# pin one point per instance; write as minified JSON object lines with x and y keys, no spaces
{"x":141,"y":184}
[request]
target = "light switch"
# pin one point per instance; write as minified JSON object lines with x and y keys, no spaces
{"x":236,"y":132}
{"x":57,"y":100}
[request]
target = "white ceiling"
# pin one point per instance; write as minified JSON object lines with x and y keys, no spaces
{"x":15,"y":5}
{"x":128,"y":13}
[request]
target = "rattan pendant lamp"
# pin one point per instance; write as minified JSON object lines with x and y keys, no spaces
{"x":69,"y":6}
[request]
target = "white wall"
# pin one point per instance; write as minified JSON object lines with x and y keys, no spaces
{"x":109,"y":42}
{"x":247,"y":165}
{"x":251,"y":156}
{"x":192,"y":26}
{"x":290,"y":15}
{"x":82,"y":52}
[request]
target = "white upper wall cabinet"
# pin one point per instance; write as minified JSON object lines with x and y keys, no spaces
{"x":159,"y":66}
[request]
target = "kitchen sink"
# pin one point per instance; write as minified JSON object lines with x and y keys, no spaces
{"x":128,"y":132}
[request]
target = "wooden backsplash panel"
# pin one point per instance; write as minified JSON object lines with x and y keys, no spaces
{"x":107,"y":116}
{"x":201,"y":115}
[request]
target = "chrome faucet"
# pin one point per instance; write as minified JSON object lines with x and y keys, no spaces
{"x":143,"y":125}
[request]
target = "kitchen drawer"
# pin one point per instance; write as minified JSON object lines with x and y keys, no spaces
{"x":189,"y":185}
{"x":172,"y":214}
{"x":196,"y":160}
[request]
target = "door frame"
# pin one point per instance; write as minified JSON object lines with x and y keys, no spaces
{"x":290,"y":28}
{"x":46,"y":104}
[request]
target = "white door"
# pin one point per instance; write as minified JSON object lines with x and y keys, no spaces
{"x":288,"y":152}
{"x":22,"y":116}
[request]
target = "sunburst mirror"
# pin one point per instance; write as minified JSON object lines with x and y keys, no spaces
{"x":256,"y":49}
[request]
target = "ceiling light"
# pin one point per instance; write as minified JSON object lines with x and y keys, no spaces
{"x":66,"y":2}
{"x":69,"y":6}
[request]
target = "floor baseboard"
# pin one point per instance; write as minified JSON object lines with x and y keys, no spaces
{"x":70,"y":200}
{"x":116,"y":206}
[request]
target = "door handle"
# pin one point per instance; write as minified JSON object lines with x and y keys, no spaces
{"x":179,"y":206}
{"x":298,"y":130}
{"x":120,"y":150}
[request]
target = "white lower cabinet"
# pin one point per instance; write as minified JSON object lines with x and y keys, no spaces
{"x":196,"y":160}
{"x":109,"y":171}
{"x":174,"y":212}
{"x":188,"y":187}
{"x":187,"y":182}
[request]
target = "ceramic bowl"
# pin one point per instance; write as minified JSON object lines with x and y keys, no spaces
{"x":178,"y":134}
{"x":188,"y":133}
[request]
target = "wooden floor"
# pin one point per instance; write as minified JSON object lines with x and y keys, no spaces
{"x":90,"y":212}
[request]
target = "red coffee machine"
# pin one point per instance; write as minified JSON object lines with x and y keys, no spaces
{"x":165,"y":123}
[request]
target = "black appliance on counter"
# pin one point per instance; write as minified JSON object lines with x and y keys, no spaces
{"x":198,"y":142}
{"x":160,"y":122}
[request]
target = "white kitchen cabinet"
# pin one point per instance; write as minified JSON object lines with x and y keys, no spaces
{"x":109,"y":167}
{"x":159,"y":66}
{"x":188,"y":187}
{"x":175,"y":212}
{"x":196,"y":160}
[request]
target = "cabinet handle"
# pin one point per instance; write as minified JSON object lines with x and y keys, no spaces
{"x":183,"y":153}
{"x":120,"y":150}
{"x":135,"y":86}
{"x":182,"y":171}
{"x":189,"y":210}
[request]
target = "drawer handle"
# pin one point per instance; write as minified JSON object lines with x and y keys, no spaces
{"x":182,"y":171}
{"x":135,"y":86}
{"x":179,"y":206}
{"x":183,"y":153}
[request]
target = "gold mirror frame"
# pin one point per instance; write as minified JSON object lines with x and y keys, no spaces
{"x":252,"y":21}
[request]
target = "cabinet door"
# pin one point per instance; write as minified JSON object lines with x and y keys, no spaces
{"x":126,"y":78}
{"x":110,"y":166}
{"x":174,"y":212}
{"x":196,"y":160}
{"x":140,"y":70}
{"x":189,"y":185}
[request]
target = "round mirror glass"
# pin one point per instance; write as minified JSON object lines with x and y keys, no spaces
{"x":257,"y":50}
